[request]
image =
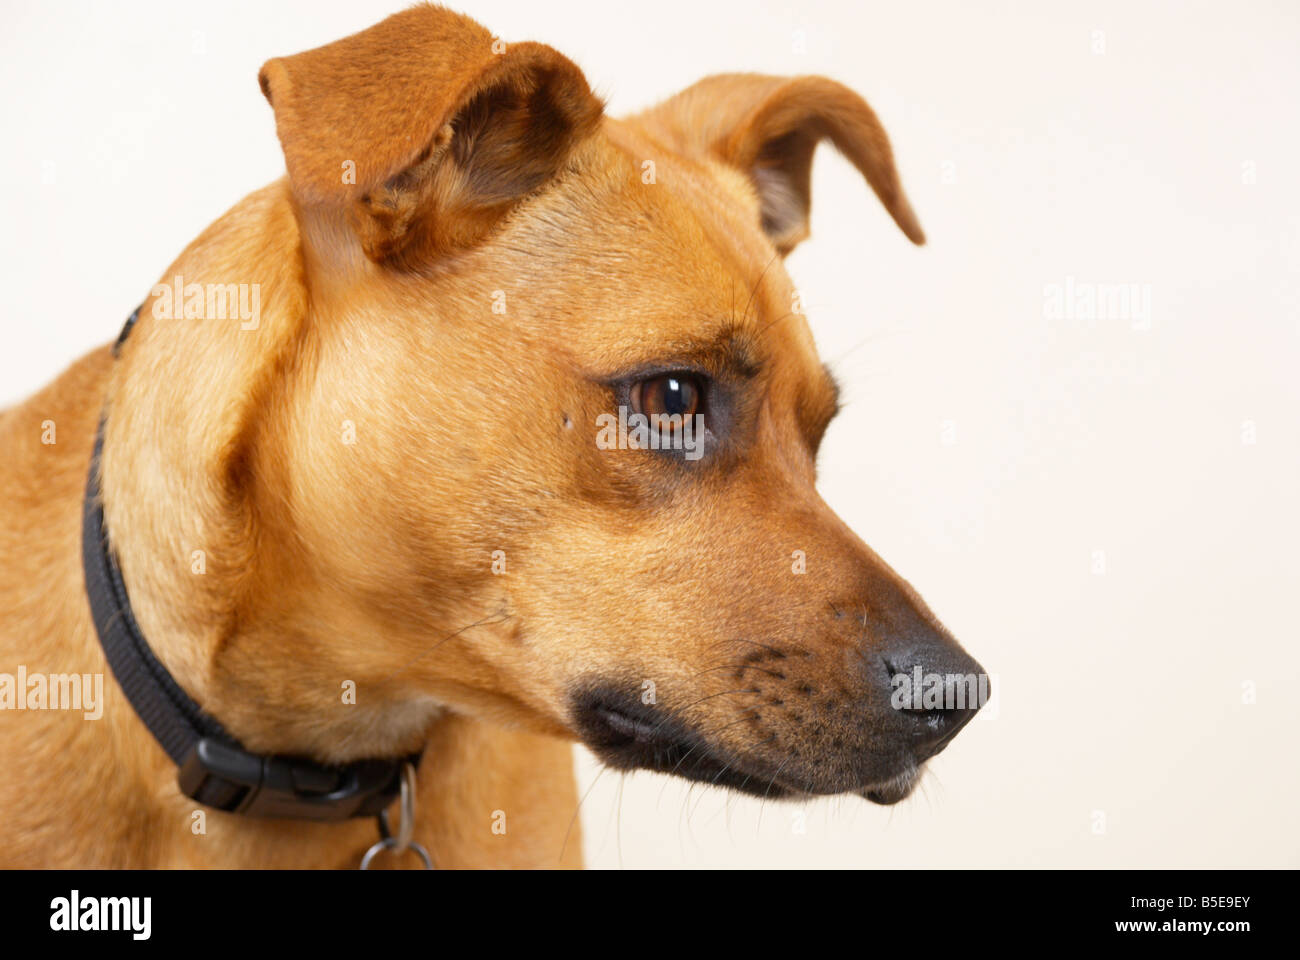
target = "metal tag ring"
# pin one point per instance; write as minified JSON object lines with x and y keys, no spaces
{"x":388,"y":843}
{"x":407,"y":806}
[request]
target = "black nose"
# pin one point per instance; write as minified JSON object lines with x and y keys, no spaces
{"x":935,"y":688}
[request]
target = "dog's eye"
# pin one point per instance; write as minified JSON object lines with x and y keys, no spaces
{"x":671,"y":395}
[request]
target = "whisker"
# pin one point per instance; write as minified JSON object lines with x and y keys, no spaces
{"x":574,"y":819}
{"x":756,"y":643}
{"x":784,"y":316}
{"x":498,"y":618}
{"x":763,"y":802}
{"x":757,"y":283}
{"x":740,"y":666}
{"x":679,"y":713}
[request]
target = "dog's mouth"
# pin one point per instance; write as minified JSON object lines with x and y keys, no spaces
{"x":896,"y":788}
{"x":632,"y":736}
{"x":901,"y":785}
{"x":628,"y":736}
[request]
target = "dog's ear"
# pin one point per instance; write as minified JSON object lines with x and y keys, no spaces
{"x":424,"y":128}
{"x":768,"y":127}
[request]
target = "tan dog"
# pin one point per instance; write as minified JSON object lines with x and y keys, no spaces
{"x":391,"y":480}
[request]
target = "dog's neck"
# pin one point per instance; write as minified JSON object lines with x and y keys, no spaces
{"x":196,"y":512}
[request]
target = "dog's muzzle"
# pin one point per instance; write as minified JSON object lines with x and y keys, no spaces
{"x":793,"y":726}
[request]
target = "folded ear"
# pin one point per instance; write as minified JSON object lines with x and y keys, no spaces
{"x":768,"y":127}
{"x":424,"y":129}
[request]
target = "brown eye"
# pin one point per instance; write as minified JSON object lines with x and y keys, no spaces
{"x":672,"y":395}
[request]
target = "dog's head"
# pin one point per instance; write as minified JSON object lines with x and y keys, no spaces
{"x":456,"y":497}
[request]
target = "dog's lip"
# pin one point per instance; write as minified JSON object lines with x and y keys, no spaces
{"x":627,"y":735}
{"x":631,"y":737}
{"x":897,"y":788}
{"x":636,"y":730}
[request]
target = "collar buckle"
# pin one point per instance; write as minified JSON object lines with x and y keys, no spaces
{"x":226,"y":777}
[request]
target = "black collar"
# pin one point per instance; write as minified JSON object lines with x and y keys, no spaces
{"x":214,"y":769}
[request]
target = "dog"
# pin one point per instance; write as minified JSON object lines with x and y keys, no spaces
{"x":383,"y":517}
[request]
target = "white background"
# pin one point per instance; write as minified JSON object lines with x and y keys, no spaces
{"x":988,"y":450}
